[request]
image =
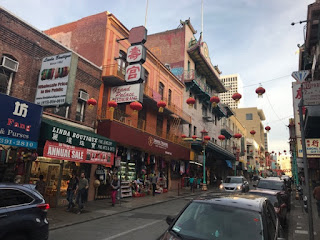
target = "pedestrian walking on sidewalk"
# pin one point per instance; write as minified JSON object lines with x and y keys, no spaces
{"x":191,"y":181}
{"x":41,"y":185}
{"x":316,"y":195}
{"x":82,"y":189}
{"x":72,"y":187}
{"x":115,"y":186}
{"x":154,"y":181}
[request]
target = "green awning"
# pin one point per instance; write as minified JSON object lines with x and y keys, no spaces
{"x":62,"y":133}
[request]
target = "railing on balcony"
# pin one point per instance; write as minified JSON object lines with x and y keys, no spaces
{"x":120,"y":116}
{"x":225,"y":128}
{"x":190,"y":75}
{"x":114,"y":70}
{"x":192,"y":42}
{"x":171,"y":106}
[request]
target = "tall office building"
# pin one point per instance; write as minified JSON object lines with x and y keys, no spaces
{"x":233,"y":84}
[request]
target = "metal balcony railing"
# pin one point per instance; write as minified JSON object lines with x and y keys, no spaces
{"x":141,"y":124}
{"x":190,"y":75}
{"x":150,"y":92}
{"x":114,"y":70}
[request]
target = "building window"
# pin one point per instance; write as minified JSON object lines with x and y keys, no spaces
{"x":146,"y":78}
{"x":81,"y":105}
{"x":204,"y":111}
{"x":249,"y":116}
{"x":188,"y":65}
{"x":159,"y":125}
{"x":122,"y":63}
{"x":195,"y":130}
{"x":161,"y":90}
{"x":9,"y":66}
{"x":190,"y":130}
{"x":169,"y":97}
{"x":62,"y":111}
{"x":195,"y":103}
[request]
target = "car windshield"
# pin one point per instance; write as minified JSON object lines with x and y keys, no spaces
{"x":273,"y":185}
{"x":233,"y":180}
{"x":209,"y":221}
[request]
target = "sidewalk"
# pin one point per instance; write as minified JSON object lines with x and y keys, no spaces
{"x":298,"y":220}
{"x":59,"y":217}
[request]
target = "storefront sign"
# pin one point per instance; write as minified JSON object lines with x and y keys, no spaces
{"x":296,"y":93}
{"x":311,"y":93}
{"x":312,"y":145}
{"x":136,"y":53}
{"x":135,"y":73}
{"x":19,"y":122}
{"x":56,"y":80}
{"x":66,"y":152}
{"x":55,"y":131}
{"x":127,"y":93}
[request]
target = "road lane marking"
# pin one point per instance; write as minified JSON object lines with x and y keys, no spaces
{"x":299,"y":227}
{"x":132,"y":230}
{"x":303,"y":232}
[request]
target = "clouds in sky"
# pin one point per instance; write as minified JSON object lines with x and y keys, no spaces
{"x":251,"y":37}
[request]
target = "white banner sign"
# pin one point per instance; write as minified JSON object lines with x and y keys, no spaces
{"x":53,"y":80}
{"x":296,"y":94}
{"x":312,"y":145}
{"x":311,"y":93}
{"x":127,"y":93}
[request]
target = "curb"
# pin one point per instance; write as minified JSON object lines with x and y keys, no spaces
{"x":129,"y":210}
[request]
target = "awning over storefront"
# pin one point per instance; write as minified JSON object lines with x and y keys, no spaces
{"x":62,"y":133}
{"x":229,"y":163}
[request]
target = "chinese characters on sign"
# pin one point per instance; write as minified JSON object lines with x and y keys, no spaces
{"x":134,"y":73}
{"x":312,"y":145}
{"x":311,"y":93}
{"x":136,"y":53}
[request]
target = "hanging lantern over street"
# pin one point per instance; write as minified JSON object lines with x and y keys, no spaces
{"x":221,"y":137}
{"x":236,"y":97}
{"x":267,"y":128}
{"x":251,"y":151}
{"x":237,"y":135}
{"x":214,"y":100}
{"x":272,"y":151}
{"x":191,"y":101}
{"x":91,"y":102}
{"x":135,"y":106}
{"x":260,"y":91}
{"x":284,"y":151}
{"x":252,"y":132}
{"x":161,"y":105}
{"x":207,"y":138}
{"x":194,"y":137}
{"x":183,"y":136}
{"x":112,"y":105}
{"x":244,"y":150}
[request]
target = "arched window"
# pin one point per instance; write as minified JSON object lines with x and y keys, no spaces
{"x":8,"y":67}
{"x":161,"y":90}
{"x":169,"y":97}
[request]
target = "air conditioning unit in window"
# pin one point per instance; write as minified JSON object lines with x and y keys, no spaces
{"x":83,"y":96}
{"x":9,"y":63}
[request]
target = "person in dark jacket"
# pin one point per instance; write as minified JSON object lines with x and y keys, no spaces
{"x":115,"y":185}
{"x":72,"y":187}
{"x":82,"y":188}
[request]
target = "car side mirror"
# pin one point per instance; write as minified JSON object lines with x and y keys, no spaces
{"x":170,"y":219}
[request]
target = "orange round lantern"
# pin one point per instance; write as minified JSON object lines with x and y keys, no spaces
{"x":236,"y":97}
{"x":161,"y":105}
{"x":260,"y":91}
{"x":252,"y":132}
{"x":135,"y":106}
{"x":194,"y":137}
{"x":267,"y":128}
{"x":183,"y":136}
{"x":221,"y":137}
{"x":112,"y":105}
{"x":214,"y":100}
{"x":91,"y":102}
{"x":237,"y":135}
{"x":191,"y":101}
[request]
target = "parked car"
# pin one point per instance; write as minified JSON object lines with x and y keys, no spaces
{"x":278,"y":185}
{"x":277,"y":201}
{"x":235,"y":184}
{"x":236,"y":216}
{"x":23,"y":213}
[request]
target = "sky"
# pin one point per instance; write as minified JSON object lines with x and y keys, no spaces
{"x":253,"y":38}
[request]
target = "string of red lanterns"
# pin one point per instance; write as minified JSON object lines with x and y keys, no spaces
{"x":161,"y":105}
{"x":135,"y":106}
{"x":214,"y":101}
{"x":252,"y":132}
{"x":236,"y":97}
{"x":91,"y":102}
{"x":237,"y":135}
{"x":191,"y":101}
{"x":267,"y":128}
{"x":221,"y":137}
{"x":260,"y":91}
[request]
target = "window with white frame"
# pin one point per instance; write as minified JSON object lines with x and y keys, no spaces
{"x":8,"y":67}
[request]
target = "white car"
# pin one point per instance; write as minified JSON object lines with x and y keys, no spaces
{"x":235,"y":184}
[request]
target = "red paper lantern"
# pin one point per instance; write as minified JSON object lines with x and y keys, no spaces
{"x":252,"y":132}
{"x":251,"y":151}
{"x":260,"y":91}
{"x":92,"y":102}
{"x":272,"y":151}
{"x":284,"y":151}
{"x":244,"y":150}
{"x":194,"y":137}
{"x":267,"y":128}
{"x":161,"y":105}
{"x":183,"y":136}
{"x":135,"y":106}
{"x":221,"y":137}
{"x":236,"y":96}
{"x":207,"y":138}
{"x":112,"y":105}
{"x":237,"y":135}
{"x":190,"y":101}
{"x":214,"y":100}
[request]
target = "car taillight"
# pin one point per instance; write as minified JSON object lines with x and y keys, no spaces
{"x":277,"y":210}
{"x":43,"y":206}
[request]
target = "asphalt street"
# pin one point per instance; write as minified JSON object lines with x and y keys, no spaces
{"x":146,"y":223}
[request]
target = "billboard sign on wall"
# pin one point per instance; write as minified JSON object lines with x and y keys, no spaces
{"x":127,"y":93}
{"x":56,"y":80}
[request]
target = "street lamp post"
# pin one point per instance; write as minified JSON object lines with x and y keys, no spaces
{"x":205,"y":140}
